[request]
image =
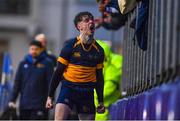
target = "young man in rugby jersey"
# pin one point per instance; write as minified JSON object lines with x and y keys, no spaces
{"x":79,"y":69}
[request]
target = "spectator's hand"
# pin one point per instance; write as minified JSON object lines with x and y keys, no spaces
{"x":49,"y":103}
{"x":101,"y":108}
{"x":12,"y":105}
{"x":102,"y":5}
{"x":98,"y":22}
{"x":107,"y":17}
{"x":106,"y":1}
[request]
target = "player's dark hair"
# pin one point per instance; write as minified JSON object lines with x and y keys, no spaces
{"x":79,"y":16}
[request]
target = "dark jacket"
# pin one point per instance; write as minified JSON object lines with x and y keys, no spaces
{"x":32,"y":82}
{"x":52,"y":57}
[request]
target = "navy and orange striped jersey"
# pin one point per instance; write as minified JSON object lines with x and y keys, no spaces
{"x":81,"y":60}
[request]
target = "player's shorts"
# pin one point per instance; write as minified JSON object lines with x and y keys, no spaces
{"x":80,"y":98}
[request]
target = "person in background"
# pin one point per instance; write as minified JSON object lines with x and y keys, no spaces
{"x":111,"y":18}
{"x":32,"y":83}
{"x":42,"y":38}
{"x":112,"y":77}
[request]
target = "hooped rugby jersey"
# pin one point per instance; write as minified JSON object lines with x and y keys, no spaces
{"x":82,"y":60}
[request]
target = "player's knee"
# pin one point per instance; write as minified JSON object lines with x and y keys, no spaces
{"x":58,"y":117}
{"x":61,"y":112}
{"x":58,"y":113}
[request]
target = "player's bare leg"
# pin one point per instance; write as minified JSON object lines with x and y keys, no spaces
{"x":61,"y":111}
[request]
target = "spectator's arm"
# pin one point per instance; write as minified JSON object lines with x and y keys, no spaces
{"x":49,"y":72}
{"x":17,"y":84}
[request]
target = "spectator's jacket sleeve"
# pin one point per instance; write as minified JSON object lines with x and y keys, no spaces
{"x":54,"y":60}
{"x":17,"y":83}
{"x":49,"y":72}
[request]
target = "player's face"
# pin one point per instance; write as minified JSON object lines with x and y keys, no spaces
{"x":87,"y":25}
{"x":34,"y":51}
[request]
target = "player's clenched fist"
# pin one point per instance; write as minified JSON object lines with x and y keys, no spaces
{"x":49,"y":103}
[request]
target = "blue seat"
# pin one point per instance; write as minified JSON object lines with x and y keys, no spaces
{"x":122,"y":109}
{"x":134,"y":107}
{"x":145,"y":107}
{"x":173,"y":110}
{"x":113,"y":111}
{"x":140,"y":106}
{"x":128,"y":108}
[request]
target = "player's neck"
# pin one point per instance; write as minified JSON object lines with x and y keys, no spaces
{"x":86,"y":39}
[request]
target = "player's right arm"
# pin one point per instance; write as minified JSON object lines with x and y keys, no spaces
{"x":56,"y":78}
{"x":63,"y":61}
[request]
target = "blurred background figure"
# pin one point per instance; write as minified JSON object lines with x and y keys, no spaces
{"x":111,"y":18}
{"x":112,"y":78}
{"x":32,"y":82}
{"x":42,"y":38}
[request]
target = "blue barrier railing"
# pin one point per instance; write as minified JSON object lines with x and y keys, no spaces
{"x":160,"y":103}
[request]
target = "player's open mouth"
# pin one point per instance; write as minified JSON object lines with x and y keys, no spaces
{"x":92,"y":27}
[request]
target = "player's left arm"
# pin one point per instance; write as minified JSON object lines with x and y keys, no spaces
{"x":100,"y":84}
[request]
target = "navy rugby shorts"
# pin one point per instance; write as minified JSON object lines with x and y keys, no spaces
{"x":80,"y":98}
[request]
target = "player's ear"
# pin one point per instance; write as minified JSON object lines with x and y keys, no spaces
{"x":79,"y":27}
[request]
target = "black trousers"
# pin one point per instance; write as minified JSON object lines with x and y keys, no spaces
{"x":33,"y":115}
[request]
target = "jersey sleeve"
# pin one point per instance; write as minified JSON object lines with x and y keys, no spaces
{"x":101,"y":60}
{"x":65,"y":54}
